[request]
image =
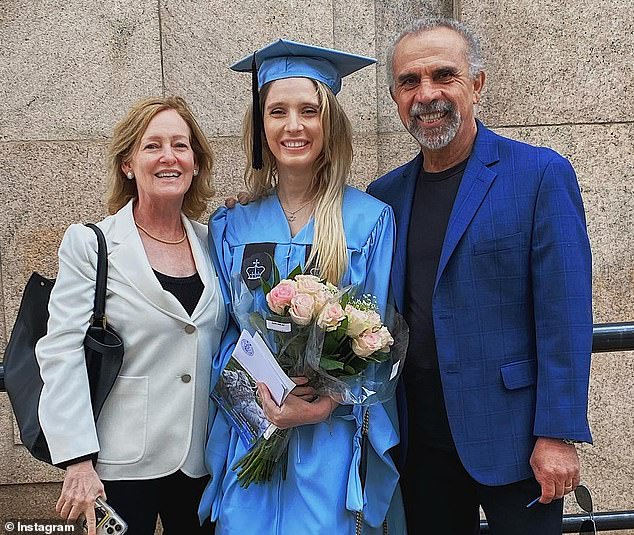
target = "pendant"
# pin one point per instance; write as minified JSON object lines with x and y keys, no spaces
{"x":290,"y":218}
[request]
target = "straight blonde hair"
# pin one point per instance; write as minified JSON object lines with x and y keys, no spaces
{"x":330,"y":173}
{"x":125,"y":142}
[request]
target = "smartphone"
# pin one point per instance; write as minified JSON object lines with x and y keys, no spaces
{"x":108,"y":521}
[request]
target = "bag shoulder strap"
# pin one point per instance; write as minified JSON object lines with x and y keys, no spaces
{"x":99,"y":310}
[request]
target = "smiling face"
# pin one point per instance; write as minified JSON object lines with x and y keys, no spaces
{"x":434,"y":92}
{"x":292,"y":124}
{"x":163,"y":163}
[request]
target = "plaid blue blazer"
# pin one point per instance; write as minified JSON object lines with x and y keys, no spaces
{"x":512,"y":303}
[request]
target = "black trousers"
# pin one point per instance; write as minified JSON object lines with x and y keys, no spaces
{"x":442,"y":499}
{"x":174,"y":498}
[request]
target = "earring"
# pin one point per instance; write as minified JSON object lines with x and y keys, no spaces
{"x":195,"y":172}
{"x":130,"y":175}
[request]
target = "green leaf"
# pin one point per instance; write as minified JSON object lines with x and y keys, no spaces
{"x":258,"y":321}
{"x":275,"y":272}
{"x":294,"y":273}
{"x":329,"y":364}
{"x":343,"y":327}
{"x":266,"y":287}
{"x":345,"y":300}
{"x":378,"y":356}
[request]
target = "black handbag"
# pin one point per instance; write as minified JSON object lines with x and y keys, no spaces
{"x":102,"y":345}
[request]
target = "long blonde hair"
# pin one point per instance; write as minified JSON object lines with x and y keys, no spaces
{"x":330,"y":172}
{"x":126,"y":139}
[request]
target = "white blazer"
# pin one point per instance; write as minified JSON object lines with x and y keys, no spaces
{"x":154,"y":421}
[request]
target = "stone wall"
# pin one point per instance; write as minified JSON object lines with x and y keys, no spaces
{"x":560,"y":73}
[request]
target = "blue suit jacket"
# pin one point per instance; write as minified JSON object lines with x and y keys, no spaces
{"x":512,"y":306}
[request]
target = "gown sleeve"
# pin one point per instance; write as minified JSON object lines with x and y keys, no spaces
{"x":370,"y":271}
{"x":217,"y":447}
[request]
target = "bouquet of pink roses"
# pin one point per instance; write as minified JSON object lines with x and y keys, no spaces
{"x":337,"y":340}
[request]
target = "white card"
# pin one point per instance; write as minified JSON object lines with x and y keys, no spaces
{"x":278,"y":326}
{"x":394,"y":369}
{"x":255,"y":357}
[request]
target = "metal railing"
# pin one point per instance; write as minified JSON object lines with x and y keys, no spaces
{"x":606,"y":337}
{"x":609,"y":521}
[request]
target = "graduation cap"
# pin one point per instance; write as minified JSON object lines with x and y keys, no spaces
{"x":288,"y":59}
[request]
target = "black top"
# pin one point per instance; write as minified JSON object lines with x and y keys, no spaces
{"x":186,"y":289}
{"x":433,"y":201}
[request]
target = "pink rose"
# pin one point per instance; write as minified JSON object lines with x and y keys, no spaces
{"x":386,"y":338}
{"x":309,"y":284}
{"x":302,"y":308}
{"x":369,"y":342}
{"x":281,"y":295}
{"x":331,"y":316}
{"x":374,"y":318}
{"x":358,"y":321}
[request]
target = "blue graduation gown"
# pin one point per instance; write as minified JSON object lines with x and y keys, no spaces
{"x":322,"y":489}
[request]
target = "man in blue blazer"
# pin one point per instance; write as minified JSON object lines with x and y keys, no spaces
{"x":493,"y":273}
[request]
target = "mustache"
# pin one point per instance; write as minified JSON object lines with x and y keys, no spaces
{"x":436,"y":106}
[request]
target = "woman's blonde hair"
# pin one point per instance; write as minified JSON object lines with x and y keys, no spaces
{"x":330,"y":172}
{"x":126,"y":139}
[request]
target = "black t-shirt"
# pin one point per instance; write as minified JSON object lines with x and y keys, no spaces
{"x":433,"y":201}
{"x":186,"y":289}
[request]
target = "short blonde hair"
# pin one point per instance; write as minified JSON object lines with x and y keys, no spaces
{"x":330,"y":173}
{"x":126,"y":139}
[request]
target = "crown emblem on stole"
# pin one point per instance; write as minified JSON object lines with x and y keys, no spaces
{"x":254,"y":272}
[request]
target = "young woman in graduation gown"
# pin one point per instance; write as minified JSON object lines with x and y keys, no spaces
{"x":304,"y":214}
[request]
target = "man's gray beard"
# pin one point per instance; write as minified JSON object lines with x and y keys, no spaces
{"x":434,"y":138}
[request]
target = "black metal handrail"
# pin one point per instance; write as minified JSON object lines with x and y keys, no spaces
{"x":609,"y":521}
{"x":613,"y":337}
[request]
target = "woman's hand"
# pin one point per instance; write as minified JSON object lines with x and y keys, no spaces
{"x":81,"y":488}
{"x":303,"y":390}
{"x":295,"y":411}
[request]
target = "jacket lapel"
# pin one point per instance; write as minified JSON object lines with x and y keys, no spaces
{"x":475,"y":184}
{"x":402,"y":206}
{"x":129,"y":259}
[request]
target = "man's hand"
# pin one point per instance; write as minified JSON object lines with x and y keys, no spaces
{"x":81,"y":488}
{"x":556,"y":468}
{"x":295,"y":411}
{"x":243,"y":198}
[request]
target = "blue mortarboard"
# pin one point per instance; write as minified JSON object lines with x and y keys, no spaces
{"x":288,"y":59}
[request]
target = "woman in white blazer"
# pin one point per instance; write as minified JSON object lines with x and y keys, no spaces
{"x":146,"y":451}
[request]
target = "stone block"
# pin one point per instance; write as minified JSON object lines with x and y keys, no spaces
{"x":607,"y":465}
{"x":355,"y":32}
{"x":395,"y":150}
{"x":554,"y":63}
{"x":69,"y":69}
{"x":391,"y":19}
{"x":201,"y":40}
{"x":28,"y":502}
{"x":16,"y":464}
{"x":48,"y":185}
{"x":365,"y":161}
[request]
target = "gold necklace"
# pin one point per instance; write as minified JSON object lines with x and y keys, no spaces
{"x":290,"y":214}
{"x":167,"y":242}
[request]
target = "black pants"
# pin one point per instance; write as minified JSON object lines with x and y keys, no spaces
{"x":442,"y":499}
{"x":174,"y":498}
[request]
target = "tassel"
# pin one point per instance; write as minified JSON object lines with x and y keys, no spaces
{"x":257,"y":117}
